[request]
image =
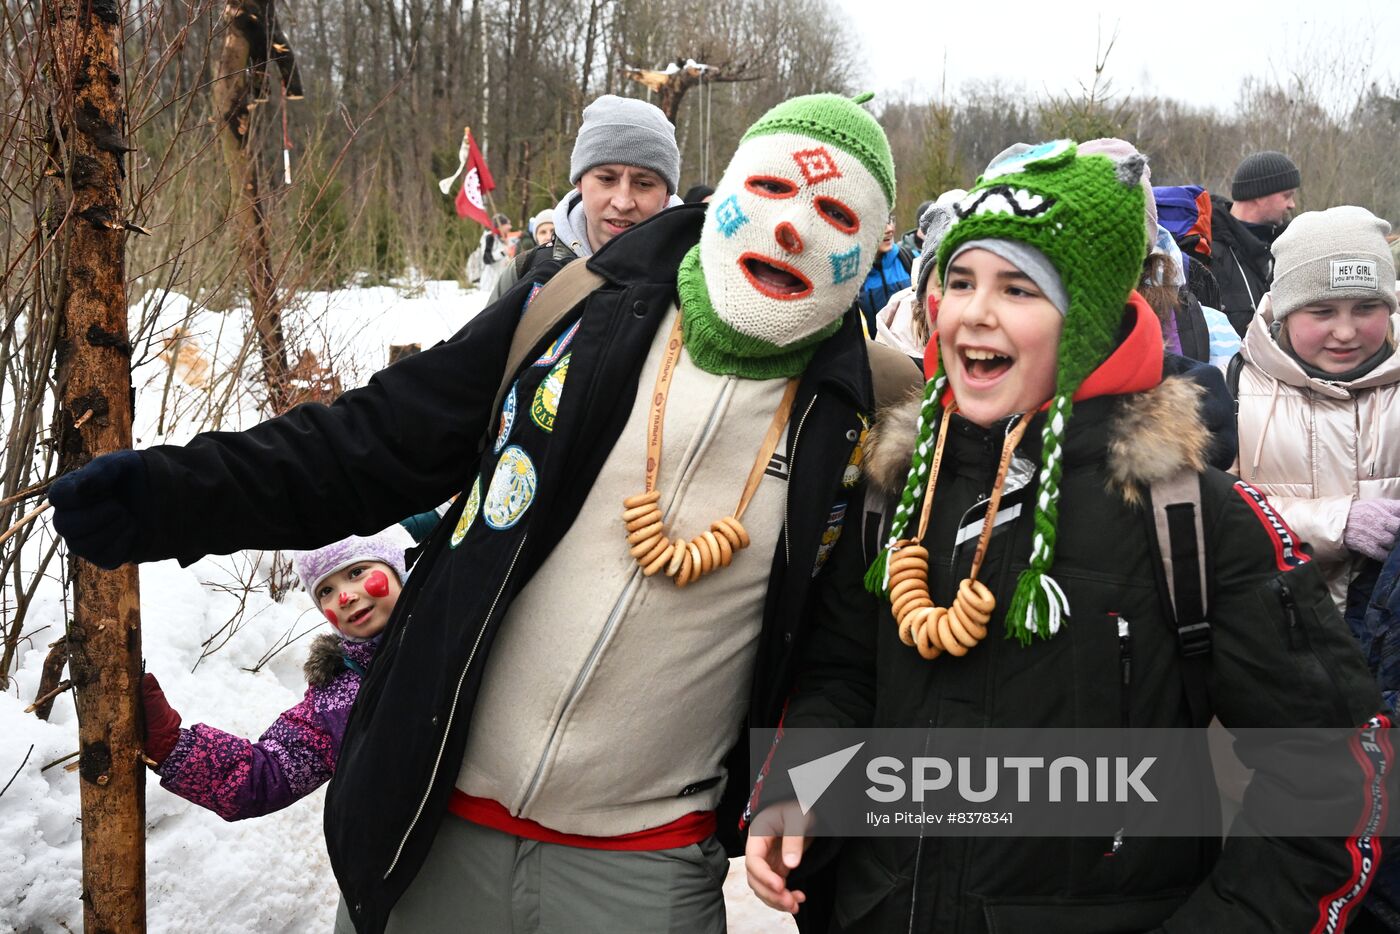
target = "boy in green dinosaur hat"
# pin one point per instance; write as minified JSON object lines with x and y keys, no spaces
{"x":1022,"y":586}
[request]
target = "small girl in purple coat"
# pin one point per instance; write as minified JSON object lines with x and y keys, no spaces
{"x":355,"y":583}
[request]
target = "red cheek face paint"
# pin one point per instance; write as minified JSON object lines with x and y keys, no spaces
{"x":377,"y":584}
{"x":331,"y":618}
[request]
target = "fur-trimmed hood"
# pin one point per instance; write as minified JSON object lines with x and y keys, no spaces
{"x":1152,"y":435}
{"x":325,"y":660}
{"x":329,"y":652}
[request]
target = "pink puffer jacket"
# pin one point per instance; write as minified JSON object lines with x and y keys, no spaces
{"x":1313,"y":446}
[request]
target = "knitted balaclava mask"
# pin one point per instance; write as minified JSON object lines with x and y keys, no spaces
{"x":789,"y":237}
{"x":1085,"y":213}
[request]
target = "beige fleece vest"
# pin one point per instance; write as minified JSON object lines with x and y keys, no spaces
{"x":607,"y":694}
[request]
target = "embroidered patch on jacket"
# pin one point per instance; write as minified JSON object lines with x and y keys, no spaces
{"x":830,"y":535}
{"x":1354,"y":274}
{"x":551,"y":389}
{"x":534,"y":290}
{"x":512,"y":489}
{"x":507,"y":419}
{"x":817,"y":165}
{"x":777,"y":466}
{"x":556,"y":349}
{"x":729,"y":217}
{"x":464,"y":524}
{"x":852,"y":474}
{"x":845,"y":265}
{"x":1287,"y":554}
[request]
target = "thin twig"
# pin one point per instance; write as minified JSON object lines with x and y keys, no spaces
{"x":59,"y":689}
{"x":62,"y":759}
{"x":17,"y":771}
{"x":82,"y":419}
{"x":26,"y":493}
{"x":24,"y":520}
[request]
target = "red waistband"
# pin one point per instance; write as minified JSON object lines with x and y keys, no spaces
{"x":683,"y":831}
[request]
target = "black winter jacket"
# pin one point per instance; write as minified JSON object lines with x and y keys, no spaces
{"x":1242,"y":263}
{"x":1262,"y":672}
{"x":417,"y":434}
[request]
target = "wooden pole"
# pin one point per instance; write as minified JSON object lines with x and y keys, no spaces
{"x":85,"y":216}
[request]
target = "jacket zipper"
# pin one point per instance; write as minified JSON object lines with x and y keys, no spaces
{"x":1290,"y":612}
{"x":452,"y":712}
{"x":1125,"y":663}
{"x":1125,"y":669}
{"x":711,"y":423}
{"x":792,"y":459}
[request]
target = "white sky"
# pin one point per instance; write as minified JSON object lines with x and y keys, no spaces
{"x":1196,"y":52}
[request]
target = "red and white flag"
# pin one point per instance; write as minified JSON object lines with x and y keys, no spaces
{"x":476,"y":181}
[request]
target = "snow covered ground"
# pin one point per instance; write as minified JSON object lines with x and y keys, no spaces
{"x":265,"y":875}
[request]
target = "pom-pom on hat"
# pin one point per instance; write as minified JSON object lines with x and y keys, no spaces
{"x":1085,"y":214}
{"x":387,"y":546}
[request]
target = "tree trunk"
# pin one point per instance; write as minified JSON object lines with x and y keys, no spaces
{"x":238,"y":76}
{"x":94,"y":416}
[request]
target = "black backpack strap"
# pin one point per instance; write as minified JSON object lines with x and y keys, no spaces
{"x":1178,"y":531}
{"x":1232,"y":378}
{"x":1191,"y":328}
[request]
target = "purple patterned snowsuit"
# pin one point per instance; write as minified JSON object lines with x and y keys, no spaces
{"x":236,"y":778}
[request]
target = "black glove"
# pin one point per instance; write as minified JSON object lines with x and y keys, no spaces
{"x":101,"y":509}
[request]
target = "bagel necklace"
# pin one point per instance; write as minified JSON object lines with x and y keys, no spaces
{"x":654,"y":550}
{"x":930,"y":629}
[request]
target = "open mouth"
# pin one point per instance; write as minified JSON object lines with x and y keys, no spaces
{"x":983,"y":366}
{"x":774,"y":279}
{"x":617,"y":224}
{"x":359,"y":616}
{"x":1003,"y":199}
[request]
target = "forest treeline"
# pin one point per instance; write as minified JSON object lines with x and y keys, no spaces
{"x":390,"y":84}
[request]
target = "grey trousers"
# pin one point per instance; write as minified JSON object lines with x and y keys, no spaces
{"x":481,"y":881}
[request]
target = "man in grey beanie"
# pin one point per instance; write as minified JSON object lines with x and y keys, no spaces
{"x":1243,"y":228}
{"x":625,"y":168}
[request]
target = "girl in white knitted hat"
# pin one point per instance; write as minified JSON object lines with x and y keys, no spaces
{"x":1319,"y":395}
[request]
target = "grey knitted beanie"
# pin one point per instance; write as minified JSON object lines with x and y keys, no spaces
{"x":626,"y":131}
{"x":1262,"y":174}
{"x":1339,"y":253}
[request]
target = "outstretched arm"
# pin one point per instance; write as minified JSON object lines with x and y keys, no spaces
{"x":398,"y":446}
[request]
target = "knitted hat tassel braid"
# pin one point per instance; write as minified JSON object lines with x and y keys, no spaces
{"x":1038,"y":605}
{"x":877,"y":578}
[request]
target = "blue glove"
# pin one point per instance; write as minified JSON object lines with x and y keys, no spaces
{"x":100,"y":509}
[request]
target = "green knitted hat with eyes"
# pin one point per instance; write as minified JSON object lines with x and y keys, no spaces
{"x":838,"y":121}
{"x":1084,"y":212}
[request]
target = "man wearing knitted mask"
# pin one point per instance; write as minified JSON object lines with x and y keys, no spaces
{"x":622,"y":582}
{"x":625,"y":166}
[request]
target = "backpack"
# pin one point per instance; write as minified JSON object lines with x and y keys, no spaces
{"x":1185,"y":211}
